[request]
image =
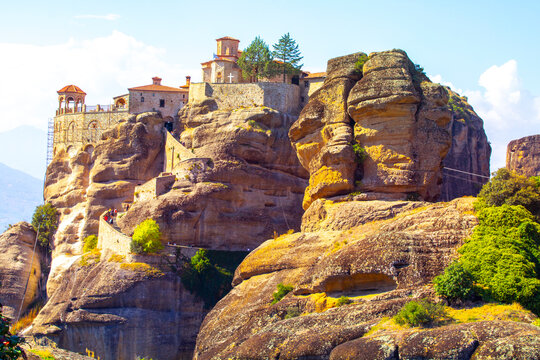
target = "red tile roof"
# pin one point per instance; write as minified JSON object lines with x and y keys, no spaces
{"x":71,"y":89}
{"x":227,"y":38}
{"x":156,"y":88}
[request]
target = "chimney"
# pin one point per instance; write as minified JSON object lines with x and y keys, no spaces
{"x":156,"y":80}
{"x":188,"y":80}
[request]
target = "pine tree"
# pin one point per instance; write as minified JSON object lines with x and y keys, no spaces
{"x":286,"y":51}
{"x":255,"y":59}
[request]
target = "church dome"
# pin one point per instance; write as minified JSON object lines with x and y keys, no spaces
{"x":71,"y":89}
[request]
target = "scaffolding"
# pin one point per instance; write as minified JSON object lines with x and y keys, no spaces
{"x":50,"y":141}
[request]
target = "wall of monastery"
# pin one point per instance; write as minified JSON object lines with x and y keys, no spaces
{"x":112,"y":239}
{"x":83,"y":128}
{"x":278,"y":96}
{"x":175,"y":152}
{"x":154,"y":187}
{"x":144,"y":101}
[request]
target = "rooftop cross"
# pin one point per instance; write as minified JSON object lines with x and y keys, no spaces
{"x":230,"y":77}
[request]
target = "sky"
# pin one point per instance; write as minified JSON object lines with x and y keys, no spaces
{"x":488,"y":51}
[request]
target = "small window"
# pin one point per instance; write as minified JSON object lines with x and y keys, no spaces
{"x":306,"y":84}
{"x":161,"y":103}
{"x":153,"y":94}
{"x":142,"y":98}
{"x":183,"y":96}
{"x":302,"y":99}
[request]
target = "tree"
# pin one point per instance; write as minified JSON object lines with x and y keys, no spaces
{"x":45,"y":222}
{"x":255,"y":60}
{"x":286,"y":51}
{"x":509,"y":188}
{"x":146,"y":237}
{"x":456,"y":283}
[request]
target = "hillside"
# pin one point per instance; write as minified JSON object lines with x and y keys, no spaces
{"x":20,"y":193}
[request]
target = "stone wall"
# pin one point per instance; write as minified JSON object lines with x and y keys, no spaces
{"x":173,"y":102}
{"x":77,"y":130}
{"x":112,"y":239}
{"x":175,"y":152}
{"x":154,"y":187}
{"x":278,"y":96}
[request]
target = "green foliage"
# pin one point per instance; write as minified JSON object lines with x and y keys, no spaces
{"x":9,"y":344}
{"x":282,"y":290}
{"x":420,"y":313}
{"x":255,"y":59}
{"x":208,"y":274}
{"x":146,"y":238}
{"x":359,"y":64}
{"x":287,"y":52}
{"x":43,"y":354}
{"x":360,"y":152}
{"x":344,"y":300}
{"x":506,"y":187}
{"x":419,"y":69}
{"x":45,"y":222}
{"x":90,"y":243}
{"x":456,"y":283}
{"x":456,"y":106}
{"x":503,"y":255}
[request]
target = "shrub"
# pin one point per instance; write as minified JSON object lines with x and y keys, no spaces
{"x":27,"y":319}
{"x":282,"y":290}
{"x":146,"y":238}
{"x":9,"y":344}
{"x":90,"y":243}
{"x":344,"y":300}
{"x":503,"y":255}
{"x":292,"y":312}
{"x":506,"y":187}
{"x":45,"y":222}
{"x":456,"y":283}
{"x":43,"y":354}
{"x":419,"y":313}
{"x":359,"y":64}
{"x":360,"y":152}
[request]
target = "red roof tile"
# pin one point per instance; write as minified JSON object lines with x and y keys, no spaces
{"x":315,"y":75}
{"x":227,"y":38}
{"x":71,"y":89}
{"x":156,"y":88}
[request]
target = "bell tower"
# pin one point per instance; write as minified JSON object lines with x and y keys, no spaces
{"x":70,"y":99}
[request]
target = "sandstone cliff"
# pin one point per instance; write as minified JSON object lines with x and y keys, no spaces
{"x":523,"y":156}
{"x":241,"y":184}
{"x":388,"y":108}
{"x":20,"y":269}
{"x":380,"y":255}
{"x":121,"y":309}
{"x":470,"y":151}
{"x":85,"y":185}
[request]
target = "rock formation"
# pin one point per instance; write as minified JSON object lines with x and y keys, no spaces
{"x":470,"y":151}
{"x":121,"y":310}
{"x":20,"y":269}
{"x":242,"y":184}
{"x":388,"y":108}
{"x":523,"y":156}
{"x":83,"y":186}
{"x":380,"y":255}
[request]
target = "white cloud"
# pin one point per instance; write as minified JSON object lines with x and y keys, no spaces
{"x":509,"y":111}
{"x":109,"y":17}
{"x":103,"y":67}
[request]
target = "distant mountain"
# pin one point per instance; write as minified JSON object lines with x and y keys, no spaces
{"x":24,"y":148}
{"x":20,"y":193}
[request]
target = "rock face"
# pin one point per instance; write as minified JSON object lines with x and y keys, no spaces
{"x":121,"y":310}
{"x":523,"y":156}
{"x":388,"y":108}
{"x":381,"y":255}
{"x":470,"y":151}
{"x":19,"y":265}
{"x":242,"y":184}
{"x":378,"y":252}
{"x":86,"y":184}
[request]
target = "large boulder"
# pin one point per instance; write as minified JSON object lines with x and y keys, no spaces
{"x":469,"y":154}
{"x":381,"y":253}
{"x":241,"y":184}
{"x":20,"y":269}
{"x":121,"y":310}
{"x":384,"y":107}
{"x":523,"y":155}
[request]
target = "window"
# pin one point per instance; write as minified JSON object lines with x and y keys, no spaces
{"x":161,"y":103}
{"x":183,"y":96}
{"x":142,"y":98}
{"x":306,"y":84}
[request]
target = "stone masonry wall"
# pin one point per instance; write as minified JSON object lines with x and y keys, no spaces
{"x":154,"y":187}
{"x":278,"y":96}
{"x":174,"y":153}
{"x":76,"y":129}
{"x":112,"y":239}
